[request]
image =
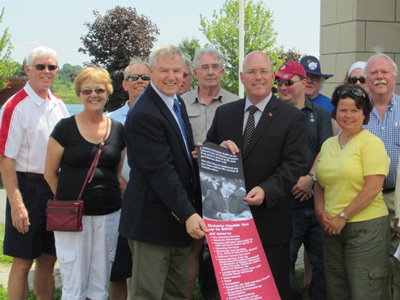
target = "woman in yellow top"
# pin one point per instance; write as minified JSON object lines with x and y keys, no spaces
{"x":348,"y":201}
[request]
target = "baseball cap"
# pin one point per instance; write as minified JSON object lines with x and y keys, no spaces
{"x":290,"y":69}
{"x":312,"y":65}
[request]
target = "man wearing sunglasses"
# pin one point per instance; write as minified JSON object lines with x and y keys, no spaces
{"x":381,"y":77}
{"x":136,"y":79}
{"x":291,"y":81}
{"x":201,"y":105}
{"x":27,"y":119}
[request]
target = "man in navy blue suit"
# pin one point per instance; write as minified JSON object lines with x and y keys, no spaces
{"x":158,"y":210}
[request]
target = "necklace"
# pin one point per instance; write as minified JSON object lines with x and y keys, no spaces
{"x":344,"y":143}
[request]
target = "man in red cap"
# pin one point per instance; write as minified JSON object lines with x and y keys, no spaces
{"x":291,"y":80}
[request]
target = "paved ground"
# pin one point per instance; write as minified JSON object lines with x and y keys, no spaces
{"x":4,"y":271}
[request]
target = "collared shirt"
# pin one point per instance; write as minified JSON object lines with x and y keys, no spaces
{"x":388,"y":131}
{"x":170,"y":103}
{"x":257,"y":115}
{"x":201,"y":114}
{"x":26,"y":123}
{"x":319,"y":129}
{"x":120,"y":116}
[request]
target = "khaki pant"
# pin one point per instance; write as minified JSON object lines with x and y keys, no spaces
{"x":394,"y":266}
{"x":356,"y":260}
{"x":159,"y":272}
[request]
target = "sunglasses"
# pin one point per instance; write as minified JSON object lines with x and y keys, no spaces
{"x":97,"y":91}
{"x":353,"y":90}
{"x":41,"y":67}
{"x":313,"y":77}
{"x":286,"y":82}
{"x":135,"y":77}
{"x":354,"y":80}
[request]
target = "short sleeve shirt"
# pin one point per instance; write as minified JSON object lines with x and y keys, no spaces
{"x":120,"y":116}
{"x":201,"y":114}
{"x":102,"y":195}
{"x":26,"y":123}
{"x":341,"y":172}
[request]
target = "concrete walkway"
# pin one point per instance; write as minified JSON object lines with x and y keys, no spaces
{"x":5,"y":270}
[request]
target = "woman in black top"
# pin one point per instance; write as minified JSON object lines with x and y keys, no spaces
{"x":85,"y":258}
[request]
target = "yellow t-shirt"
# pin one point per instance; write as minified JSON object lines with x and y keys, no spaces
{"x":340,"y":172}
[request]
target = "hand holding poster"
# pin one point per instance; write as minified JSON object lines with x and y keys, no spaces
{"x":239,"y":260}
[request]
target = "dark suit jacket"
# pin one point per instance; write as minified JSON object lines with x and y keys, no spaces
{"x":274,"y":160}
{"x":160,"y":194}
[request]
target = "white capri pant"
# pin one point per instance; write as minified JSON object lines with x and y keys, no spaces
{"x":85,"y":258}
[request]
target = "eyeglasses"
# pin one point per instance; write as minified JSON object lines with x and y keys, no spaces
{"x":354,"y":80}
{"x":186,"y":74}
{"x":135,"y":77}
{"x":286,"y":82}
{"x":353,"y":90}
{"x":41,"y":67}
{"x":313,"y":77}
{"x":97,"y":91}
{"x":214,"y":67}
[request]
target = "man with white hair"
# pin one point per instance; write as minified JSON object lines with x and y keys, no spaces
{"x":187,"y":77}
{"x":201,"y":105}
{"x":27,"y":119}
{"x":381,"y":76}
{"x":158,"y":214}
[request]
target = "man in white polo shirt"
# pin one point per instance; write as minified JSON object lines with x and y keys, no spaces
{"x":27,"y":120}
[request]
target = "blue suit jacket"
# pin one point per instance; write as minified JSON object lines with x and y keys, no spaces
{"x":162,"y":191}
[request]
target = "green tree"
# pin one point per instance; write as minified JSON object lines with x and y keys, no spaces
{"x":7,"y":66}
{"x":19,"y":69}
{"x":113,"y":39}
{"x":222,"y":31}
{"x":189,"y":46}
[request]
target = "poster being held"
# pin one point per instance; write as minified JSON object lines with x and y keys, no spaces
{"x":239,"y":260}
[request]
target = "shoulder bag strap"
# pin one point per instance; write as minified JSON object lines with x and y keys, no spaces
{"x":92,"y":168}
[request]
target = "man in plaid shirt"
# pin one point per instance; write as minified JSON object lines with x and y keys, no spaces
{"x":381,"y":76}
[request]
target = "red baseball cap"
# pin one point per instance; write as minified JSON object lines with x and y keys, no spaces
{"x":290,"y":69}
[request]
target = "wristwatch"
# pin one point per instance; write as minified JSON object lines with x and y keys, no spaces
{"x":312,"y":176}
{"x":342,"y":214}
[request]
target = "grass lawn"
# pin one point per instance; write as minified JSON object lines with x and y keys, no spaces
{"x":7,"y":260}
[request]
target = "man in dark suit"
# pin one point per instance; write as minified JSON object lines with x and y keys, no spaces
{"x":274,"y":157}
{"x":158,"y":215}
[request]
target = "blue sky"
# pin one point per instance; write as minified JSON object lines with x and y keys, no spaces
{"x":60,"y":24}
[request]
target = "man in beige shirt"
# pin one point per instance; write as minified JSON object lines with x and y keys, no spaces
{"x":202,"y":102}
{"x":201,"y":105}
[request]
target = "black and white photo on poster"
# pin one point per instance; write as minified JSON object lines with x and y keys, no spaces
{"x":222,"y":184}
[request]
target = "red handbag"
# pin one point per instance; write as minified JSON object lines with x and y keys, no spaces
{"x":66,"y":215}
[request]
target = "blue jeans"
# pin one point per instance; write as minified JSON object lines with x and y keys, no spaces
{"x":306,"y":230}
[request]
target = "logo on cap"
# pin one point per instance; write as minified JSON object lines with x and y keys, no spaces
{"x":312,"y":65}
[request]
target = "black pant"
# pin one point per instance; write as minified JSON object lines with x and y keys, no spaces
{"x":207,"y":280}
